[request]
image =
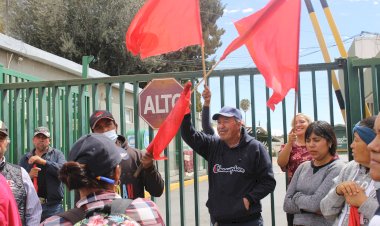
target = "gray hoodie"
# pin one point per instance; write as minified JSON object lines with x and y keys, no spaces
{"x":335,"y":208}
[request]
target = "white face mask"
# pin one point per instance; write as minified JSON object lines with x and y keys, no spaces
{"x":111,"y":134}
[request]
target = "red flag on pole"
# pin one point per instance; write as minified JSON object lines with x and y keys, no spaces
{"x":163,"y":26}
{"x":170,"y":126}
{"x":271,"y":36}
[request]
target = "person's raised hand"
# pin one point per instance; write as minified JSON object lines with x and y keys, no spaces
{"x":37,"y":160}
{"x":206,"y":94}
{"x":292,"y":137}
{"x":34,"y":172}
{"x":147,"y":160}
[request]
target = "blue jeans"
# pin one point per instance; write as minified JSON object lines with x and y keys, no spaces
{"x":49,"y":210}
{"x":255,"y":222}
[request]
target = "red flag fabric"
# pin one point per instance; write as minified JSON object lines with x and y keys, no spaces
{"x":271,"y":36}
{"x":35,"y":182}
{"x":163,"y":26}
{"x":170,"y":126}
{"x":354,"y":218}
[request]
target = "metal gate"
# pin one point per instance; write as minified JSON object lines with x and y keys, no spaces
{"x":65,"y":107}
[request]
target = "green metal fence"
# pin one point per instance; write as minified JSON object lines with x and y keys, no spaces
{"x":363,"y":88}
{"x":65,"y":106}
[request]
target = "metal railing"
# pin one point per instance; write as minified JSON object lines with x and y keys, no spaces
{"x":65,"y":107}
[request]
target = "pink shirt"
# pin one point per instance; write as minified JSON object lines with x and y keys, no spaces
{"x":298,"y":155}
{"x":8,"y":208}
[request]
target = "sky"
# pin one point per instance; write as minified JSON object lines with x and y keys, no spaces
{"x":352,"y":17}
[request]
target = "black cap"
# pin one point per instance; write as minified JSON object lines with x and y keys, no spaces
{"x":3,"y":128}
{"x":99,"y":114}
{"x":42,"y":130}
{"x":97,"y":152}
{"x":228,"y":112}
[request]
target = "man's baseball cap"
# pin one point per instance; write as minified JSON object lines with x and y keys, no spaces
{"x":97,"y":152}
{"x":228,"y":112}
{"x":42,"y":130}
{"x":100,"y":114}
{"x":3,"y":128}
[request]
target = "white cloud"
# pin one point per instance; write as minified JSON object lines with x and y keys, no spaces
{"x":375,"y":2}
{"x":230,"y":11}
{"x":247,"y":10}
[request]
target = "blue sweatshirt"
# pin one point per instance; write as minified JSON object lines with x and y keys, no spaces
{"x":234,"y":173}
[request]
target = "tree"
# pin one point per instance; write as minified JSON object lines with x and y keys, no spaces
{"x":244,"y":105}
{"x":73,"y":28}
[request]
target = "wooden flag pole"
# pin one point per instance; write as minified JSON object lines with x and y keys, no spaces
{"x":204,"y":64}
{"x":206,"y":76}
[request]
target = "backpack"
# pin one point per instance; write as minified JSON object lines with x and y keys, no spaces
{"x":118,"y":206}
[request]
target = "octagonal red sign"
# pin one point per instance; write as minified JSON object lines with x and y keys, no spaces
{"x":157,"y":99}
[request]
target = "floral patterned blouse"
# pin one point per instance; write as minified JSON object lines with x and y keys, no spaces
{"x":298,"y":155}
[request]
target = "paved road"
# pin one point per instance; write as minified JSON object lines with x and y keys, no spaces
{"x":280,"y":217}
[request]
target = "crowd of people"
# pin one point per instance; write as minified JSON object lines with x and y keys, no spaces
{"x":321,"y":188}
{"x":100,"y":169}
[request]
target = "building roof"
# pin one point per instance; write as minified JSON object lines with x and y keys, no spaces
{"x":16,"y":46}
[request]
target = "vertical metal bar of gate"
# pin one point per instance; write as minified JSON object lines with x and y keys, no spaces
{"x":269,"y":140}
{"x":195,"y":159}
{"x":253,"y":108}
{"x":331,"y":103}
{"x":56,"y":118}
{"x":122,"y":109}
{"x":30,"y":116}
{"x":221,"y":85}
{"x":299,"y":95}
{"x":237,"y":93}
{"x":22,"y":120}
{"x":68,"y":109}
{"x":375,"y":88}
{"x":361,"y":93}
{"x":16,"y":133}
{"x":108,"y":97}
{"x":351,"y":81}
{"x":179,"y":148}
{"x":42,"y":106}
{"x":95,"y":99}
{"x":82,"y":117}
{"x":315,"y":105}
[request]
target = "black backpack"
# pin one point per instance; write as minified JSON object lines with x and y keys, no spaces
{"x":118,"y":206}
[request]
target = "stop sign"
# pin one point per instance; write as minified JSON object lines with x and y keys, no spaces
{"x":157,"y":99}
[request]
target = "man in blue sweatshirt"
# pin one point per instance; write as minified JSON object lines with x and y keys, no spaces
{"x":239,"y":168}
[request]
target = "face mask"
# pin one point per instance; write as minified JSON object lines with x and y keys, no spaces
{"x":111,"y":134}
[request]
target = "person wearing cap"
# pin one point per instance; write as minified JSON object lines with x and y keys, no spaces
{"x":93,"y":169}
{"x":21,"y":186}
{"x":102,"y":121}
{"x":43,"y":164}
{"x":239,"y":169}
{"x":354,"y":186}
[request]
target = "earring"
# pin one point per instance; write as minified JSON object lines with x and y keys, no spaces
{"x":117,"y":188}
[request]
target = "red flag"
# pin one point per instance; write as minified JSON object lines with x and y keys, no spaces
{"x":35,"y":182}
{"x":163,"y":26}
{"x":271,"y":36}
{"x":354,"y":218}
{"x":170,"y":126}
